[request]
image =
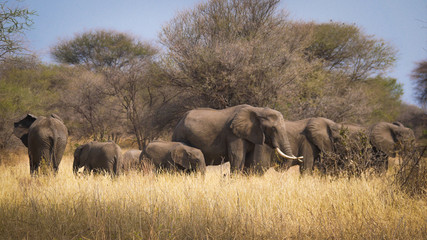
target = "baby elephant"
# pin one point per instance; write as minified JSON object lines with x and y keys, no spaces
{"x":130,"y":159}
{"x":98,"y":156}
{"x":175,"y":155}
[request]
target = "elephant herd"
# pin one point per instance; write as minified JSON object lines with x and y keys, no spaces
{"x":245,"y":136}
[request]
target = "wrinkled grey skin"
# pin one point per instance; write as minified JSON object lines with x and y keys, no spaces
{"x":131,"y":159}
{"x":310,"y":137}
{"x":174,"y":156}
{"x":45,"y":138}
{"x":98,"y":157}
{"x":231,"y":135}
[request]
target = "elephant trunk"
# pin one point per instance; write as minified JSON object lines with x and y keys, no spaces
{"x":75,"y":166}
{"x":286,"y":146}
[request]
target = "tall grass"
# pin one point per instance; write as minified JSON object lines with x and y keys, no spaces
{"x":175,"y":206}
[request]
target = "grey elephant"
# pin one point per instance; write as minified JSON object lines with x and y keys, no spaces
{"x":98,"y":157}
{"x":130,"y":159}
{"x":386,"y":140}
{"x":308,"y":138}
{"x":45,"y":138}
{"x":174,"y":156}
{"x":231,"y":135}
{"x":312,"y":136}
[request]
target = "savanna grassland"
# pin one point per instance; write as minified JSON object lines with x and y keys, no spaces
{"x":174,"y":206}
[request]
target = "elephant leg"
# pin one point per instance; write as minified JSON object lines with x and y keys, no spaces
{"x":236,"y":154}
{"x":32,"y":164}
{"x":259,"y":159}
{"x":309,"y":152}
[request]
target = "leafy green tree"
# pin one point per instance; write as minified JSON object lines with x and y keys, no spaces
{"x":345,"y":48}
{"x":384,"y":94}
{"x":350,"y":82}
{"x":13,"y":22}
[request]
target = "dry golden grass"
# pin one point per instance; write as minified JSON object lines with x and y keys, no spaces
{"x":174,"y":206}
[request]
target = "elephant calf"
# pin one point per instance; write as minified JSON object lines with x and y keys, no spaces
{"x":131,"y":159}
{"x":98,"y":156}
{"x":175,"y":155}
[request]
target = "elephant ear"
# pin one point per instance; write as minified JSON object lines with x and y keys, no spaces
{"x":320,"y":131}
{"x":399,"y":124}
{"x":181,"y":157}
{"x":21,"y":128}
{"x":246,"y":124}
{"x":53,"y":115}
{"x":382,"y":137}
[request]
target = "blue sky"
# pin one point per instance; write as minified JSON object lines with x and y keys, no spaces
{"x":402,"y":23}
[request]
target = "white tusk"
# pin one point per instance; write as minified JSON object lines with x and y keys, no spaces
{"x":289,"y":157}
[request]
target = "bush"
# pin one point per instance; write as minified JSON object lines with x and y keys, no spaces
{"x":411,"y":175}
{"x":352,"y":155}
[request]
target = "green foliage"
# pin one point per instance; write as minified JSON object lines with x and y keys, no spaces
{"x":384,"y":95}
{"x":26,"y":86}
{"x":13,"y":22}
{"x":346,"y":49}
{"x":346,"y":82}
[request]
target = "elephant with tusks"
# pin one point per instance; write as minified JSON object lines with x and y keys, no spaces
{"x":234,"y":135}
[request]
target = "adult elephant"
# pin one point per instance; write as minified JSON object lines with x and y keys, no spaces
{"x":174,"y":155}
{"x":98,"y":157}
{"x":386,"y":140}
{"x":45,"y":138}
{"x":131,"y":159}
{"x":308,"y":138}
{"x":231,"y":134}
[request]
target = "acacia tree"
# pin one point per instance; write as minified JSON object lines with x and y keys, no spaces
{"x":13,"y":22}
{"x":350,"y":84}
{"x":124,"y":63}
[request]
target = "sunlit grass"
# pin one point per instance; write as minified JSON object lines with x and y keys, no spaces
{"x":175,"y":206}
